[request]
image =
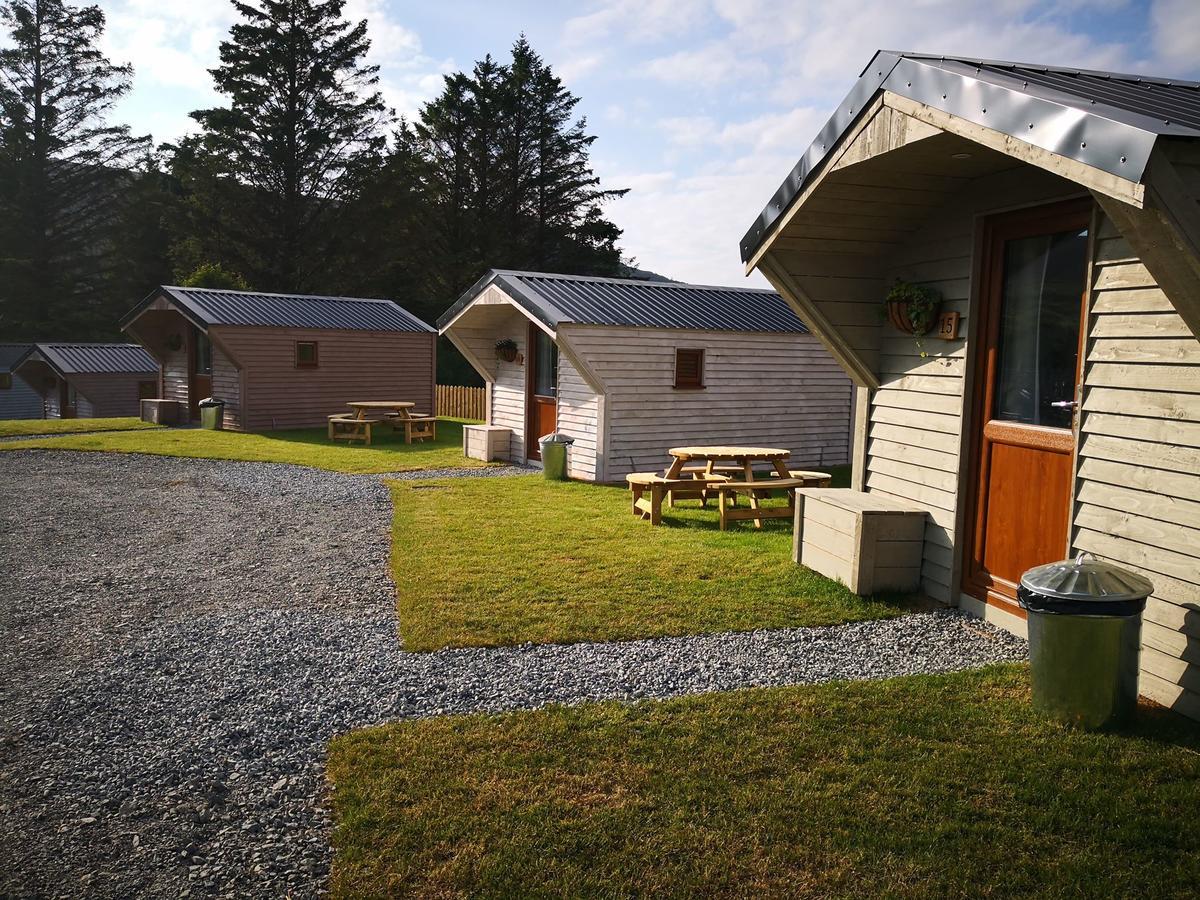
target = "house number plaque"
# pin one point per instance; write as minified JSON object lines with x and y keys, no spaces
{"x":947,"y":326}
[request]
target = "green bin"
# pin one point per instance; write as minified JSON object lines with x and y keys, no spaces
{"x":212,"y":413}
{"x":1085,"y":626}
{"x":554,"y":455}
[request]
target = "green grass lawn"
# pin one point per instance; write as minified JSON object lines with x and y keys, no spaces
{"x":9,"y":427}
{"x":485,"y":562}
{"x":304,"y":447}
{"x":943,"y":786}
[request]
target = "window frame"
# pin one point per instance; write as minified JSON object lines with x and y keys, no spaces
{"x":6,"y":381}
{"x":316,"y":355}
{"x":697,"y":385}
{"x":202,"y":354}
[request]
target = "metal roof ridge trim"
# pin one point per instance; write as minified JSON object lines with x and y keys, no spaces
{"x":912,"y":76}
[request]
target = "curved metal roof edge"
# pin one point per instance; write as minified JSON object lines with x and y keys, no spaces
{"x":533,"y":303}
{"x":925,"y":84}
{"x":25,"y":357}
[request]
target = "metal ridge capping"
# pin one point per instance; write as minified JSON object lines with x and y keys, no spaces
{"x":1102,"y":119}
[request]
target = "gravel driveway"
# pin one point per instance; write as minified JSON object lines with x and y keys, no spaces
{"x":182,"y":638}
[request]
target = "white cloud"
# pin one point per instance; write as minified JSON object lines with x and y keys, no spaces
{"x":1175,"y":31}
{"x":771,"y":72}
{"x":637,"y":20}
{"x":576,"y":65}
{"x":713,"y":64}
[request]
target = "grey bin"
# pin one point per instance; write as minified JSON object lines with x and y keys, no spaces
{"x":1085,"y":627}
{"x":554,"y":455}
{"x":212,"y":413}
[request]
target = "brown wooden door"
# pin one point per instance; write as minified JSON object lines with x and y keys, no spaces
{"x":1031,"y":309}
{"x":199,"y":370}
{"x":541,"y":389}
{"x":66,"y":402}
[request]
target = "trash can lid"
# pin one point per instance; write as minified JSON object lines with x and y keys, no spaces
{"x":211,"y":401}
{"x":555,"y":438}
{"x":1088,"y":580}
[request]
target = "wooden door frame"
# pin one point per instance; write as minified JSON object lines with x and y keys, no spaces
{"x":531,"y":362}
{"x":1047,"y":218}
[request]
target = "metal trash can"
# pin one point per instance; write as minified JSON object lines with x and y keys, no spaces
{"x":212,"y":413}
{"x":1085,"y":626}
{"x":554,"y":455}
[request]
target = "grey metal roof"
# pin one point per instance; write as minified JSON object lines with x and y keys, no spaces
{"x":79,"y":359}
{"x":206,"y":306}
{"x":1104,"y":119}
{"x":586,"y":300}
{"x":10,"y":353}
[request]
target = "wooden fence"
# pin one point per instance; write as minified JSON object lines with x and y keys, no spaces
{"x":460,"y":402}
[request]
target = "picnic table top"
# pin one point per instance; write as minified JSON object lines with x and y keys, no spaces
{"x":729,"y":452}
{"x":381,"y":404}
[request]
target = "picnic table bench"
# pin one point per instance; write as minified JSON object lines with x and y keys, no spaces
{"x":348,"y":427}
{"x":730,"y":512}
{"x":658,"y":486}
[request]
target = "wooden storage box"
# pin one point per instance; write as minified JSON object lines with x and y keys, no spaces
{"x":486,"y":442}
{"x":867,"y":542}
{"x":163,"y":412}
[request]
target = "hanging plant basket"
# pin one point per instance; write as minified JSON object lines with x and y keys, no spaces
{"x":912,"y":308}
{"x":506,"y":350}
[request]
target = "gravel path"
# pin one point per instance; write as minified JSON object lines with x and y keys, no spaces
{"x":182,"y":638}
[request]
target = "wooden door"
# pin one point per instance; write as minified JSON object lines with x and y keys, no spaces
{"x":1034,"y":280}
{"x":66,"y":402}
{"x":541,"y":390}
{"x":199,"y":370}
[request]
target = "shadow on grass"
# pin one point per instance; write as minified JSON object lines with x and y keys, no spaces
{"x":383,"y":437}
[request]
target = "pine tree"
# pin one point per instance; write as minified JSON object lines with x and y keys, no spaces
{"x":272,"y":174}
{"x":507,"y":177}
{"x":61,"y":172}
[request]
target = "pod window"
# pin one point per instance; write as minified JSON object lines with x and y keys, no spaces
{"x":689,"y":369}
{"x":306,"y":354}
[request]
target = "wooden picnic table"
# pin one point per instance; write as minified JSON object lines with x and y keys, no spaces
{"x":743,"y":457}
{"x":356,"y":425}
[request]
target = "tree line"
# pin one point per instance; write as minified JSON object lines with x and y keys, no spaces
{"x":302,"y":181}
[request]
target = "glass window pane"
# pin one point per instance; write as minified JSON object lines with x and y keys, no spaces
{"x":1038,"y":353}
{"x":203,"y":354}
{"x":546,"y":366}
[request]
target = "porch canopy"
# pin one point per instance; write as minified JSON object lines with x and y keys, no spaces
{"x":917,"y":130}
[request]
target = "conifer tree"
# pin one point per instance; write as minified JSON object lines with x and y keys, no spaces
{"x":62,"y":169}
{"x":273,"y":172}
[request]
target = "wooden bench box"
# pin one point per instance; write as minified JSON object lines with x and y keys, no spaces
{"x":163,"y":412}
{"x":486,"y":442}
{"x":867,"y":542}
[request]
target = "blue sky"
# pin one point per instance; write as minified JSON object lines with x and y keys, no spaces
{"x":701,"y":106}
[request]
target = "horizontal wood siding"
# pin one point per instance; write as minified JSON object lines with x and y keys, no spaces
{"x":354,"y":365}
{"x":1137,"y":500}
{"x":157,"y":330}
{"x":577,"y":418}
{"x":20,"y":401}
{"x":780,"y":390}
{"x":479,"y":330}
{"x":227,"y":386}
{"x":915,"y":428}
{"x":104,"y":396}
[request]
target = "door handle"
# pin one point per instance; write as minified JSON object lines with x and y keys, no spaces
{"x":1065,"y":404}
